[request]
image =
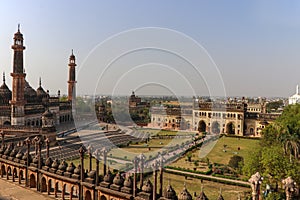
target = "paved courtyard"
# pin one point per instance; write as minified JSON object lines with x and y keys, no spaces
{"x":11,"y":191}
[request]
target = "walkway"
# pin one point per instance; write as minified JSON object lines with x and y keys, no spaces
{"x":11,"y":191}
{"x":212,"y":178}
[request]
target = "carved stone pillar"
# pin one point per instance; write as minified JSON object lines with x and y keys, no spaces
{"x":290,"y":188}
{"x":81,"y":152}
{"x":142,"y":163}
{"x":135,"y":165}
{"x":255,"y":181}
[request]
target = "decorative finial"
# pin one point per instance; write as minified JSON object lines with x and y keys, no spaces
{"x":19,"y":27}
{"x":3,"y":77}
{"x":72,"y":53}
{"x":40,"y":82}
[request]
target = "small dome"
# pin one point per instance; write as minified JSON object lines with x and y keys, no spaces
{"x":13,"y":153}
{"x":118,"y":180}
{"x":25,"y":157}
{"x":77,"y":170}
{"x":7,"y":151}
{"x":202,"y":196}
{"x":5,"y":93}
{"x":128,"y":182}
{"x":92,"y":174}
{"x":20,"y":154}
{"x":18,"y":34}
{"x":170,"y":193}
{"x":185,"y":195}
{"x":2,"y":150}
{"x":35,"y":160}
{"x":108,"y":177}
{"x":40,"y":91}
{"x":147,"y":187}
{"x":55,"y":164}
{"x":49,"y":162}
{"x":71,"y":168}
{"x":29,"y":93}
{"x":63,"y":166}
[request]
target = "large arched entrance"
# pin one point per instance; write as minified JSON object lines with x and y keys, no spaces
{"x":215,"y":128}
{"x":201,"y":126}
{"x":230,"y":129}
{"x":88,"y":195}
{"x":32,"y":181}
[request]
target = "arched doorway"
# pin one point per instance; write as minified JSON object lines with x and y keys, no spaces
{"x":49,"y":186}
{"x":251,"y":131}
{"x":102,"y":197}
{"x":3,"y":171}
{"x":44,"y":185}
{"x":6,"y":123}
{"x":14,"y":174}
{"x":88,"y":195}
{"x":8,"y":173}
{"x":32,"y":181}
{"x":21,"y":176}
{"x":201,"y":126}
{"x":215,"y":128}
{"x":230,"y":129}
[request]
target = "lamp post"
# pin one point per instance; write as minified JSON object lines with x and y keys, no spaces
{"x":97,"y":154}
{"x":39,"y":143}
{"x":90,"y":150}
{"x":104,"y":153}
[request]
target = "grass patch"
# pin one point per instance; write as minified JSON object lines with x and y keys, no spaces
{"x":246,"y":146}
{"x":210,"y":188}
{"x":217,"y":155}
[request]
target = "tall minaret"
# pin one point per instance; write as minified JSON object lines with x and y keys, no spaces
{"x":18,"y":75}
{"x":72,"y":81}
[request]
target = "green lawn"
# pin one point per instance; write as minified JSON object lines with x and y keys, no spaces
{"x":217,"y":155}
{"x":211,"y":189}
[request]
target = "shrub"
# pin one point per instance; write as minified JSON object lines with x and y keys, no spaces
{"x":234,"y":161}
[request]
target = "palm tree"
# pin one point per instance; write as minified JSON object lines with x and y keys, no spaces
{"x":291,"y":143}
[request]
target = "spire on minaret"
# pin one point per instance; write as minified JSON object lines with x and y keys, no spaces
{"x":40,"y":82}
{"x":3,"y":77}
{"x":19,"y":27}
{"x":72,"y":53}
{"x":297,"y":89}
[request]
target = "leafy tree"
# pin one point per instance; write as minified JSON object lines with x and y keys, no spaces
{"x":252,"y":163}
{"x":278,"y":154}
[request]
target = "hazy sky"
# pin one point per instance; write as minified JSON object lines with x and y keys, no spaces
{"x":254,"y":44}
